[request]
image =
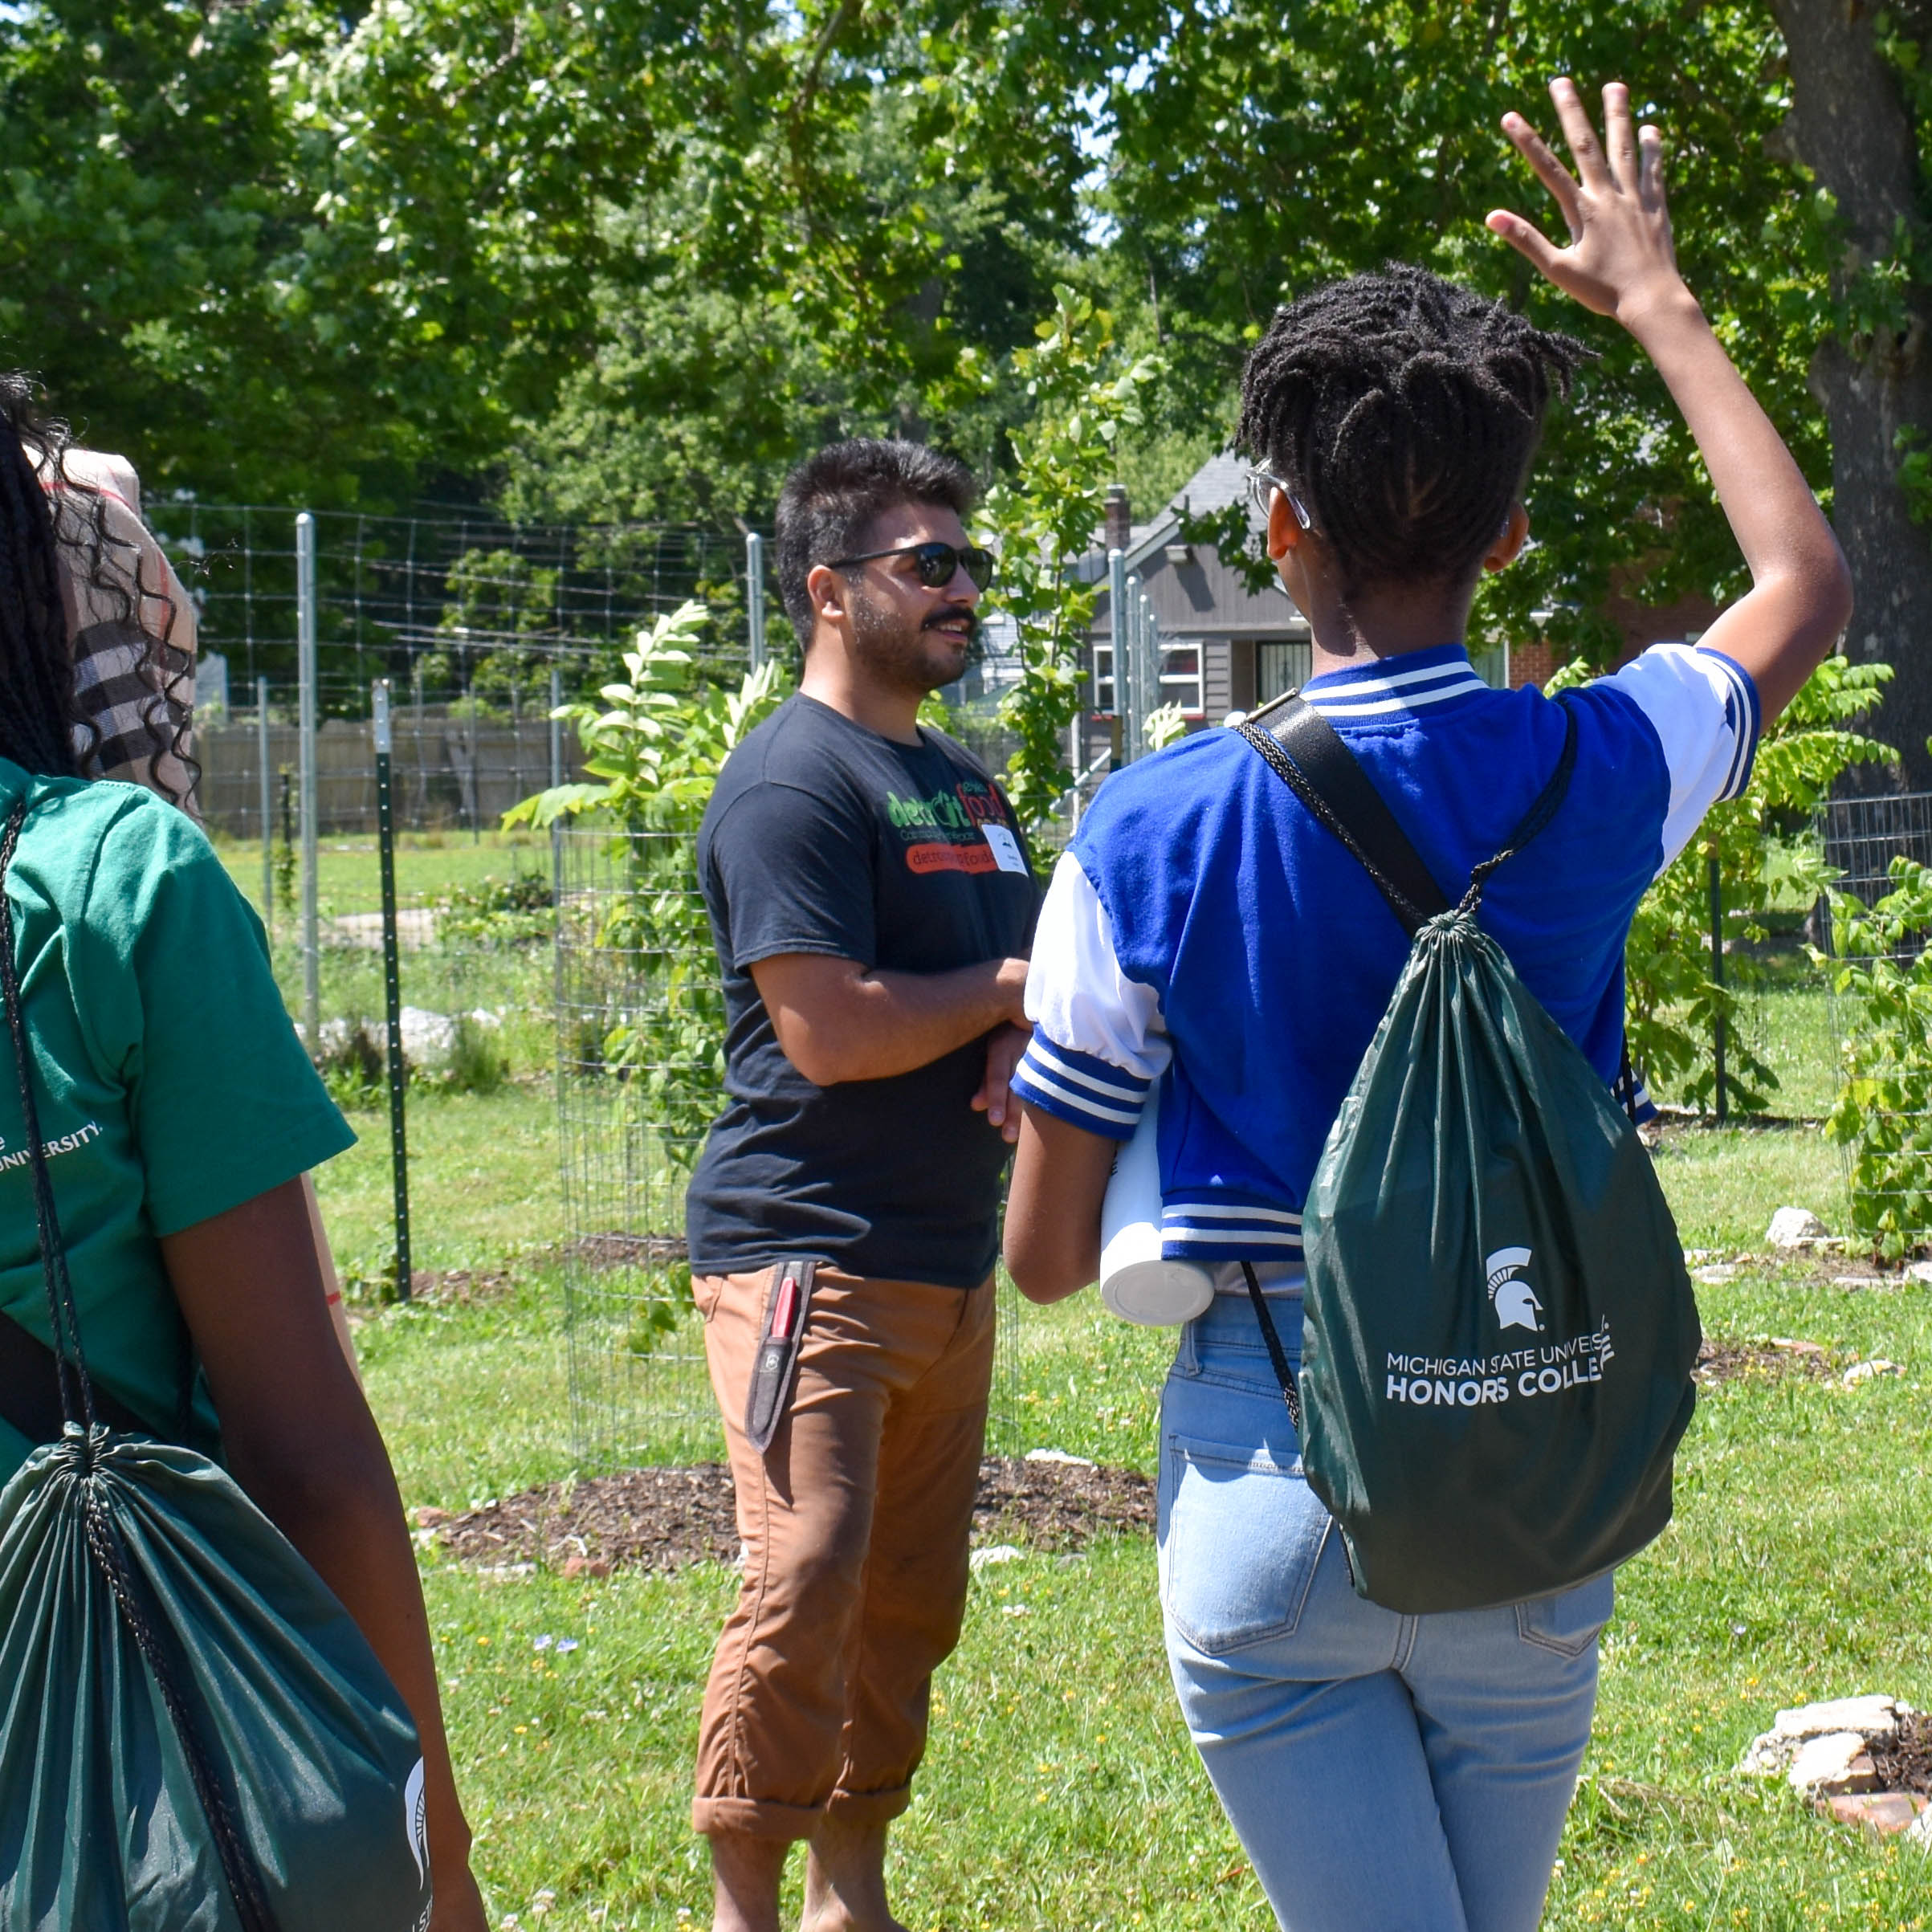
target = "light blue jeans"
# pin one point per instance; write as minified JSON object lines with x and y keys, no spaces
{"x":1409,"y":1774}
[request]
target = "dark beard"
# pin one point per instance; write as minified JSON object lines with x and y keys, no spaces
{"x":899,"y":653}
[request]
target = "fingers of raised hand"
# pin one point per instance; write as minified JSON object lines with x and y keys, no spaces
{"x":1650,"y":178}
{"x":1548,"y":170}
{"x":1584,"y":148}
{"x":1526,"y":239}
{"x":1620,"y":137}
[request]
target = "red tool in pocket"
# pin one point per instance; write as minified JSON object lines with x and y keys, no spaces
{"x":787,"y":1308}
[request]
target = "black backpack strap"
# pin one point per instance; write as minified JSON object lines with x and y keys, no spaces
{"x":1307,"y":753}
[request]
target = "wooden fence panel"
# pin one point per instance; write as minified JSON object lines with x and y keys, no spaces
{"x":447,"y":771}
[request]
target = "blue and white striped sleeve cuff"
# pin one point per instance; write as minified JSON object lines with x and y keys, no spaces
{"x":1080,"y":1090}
{"x":1741,"y":713}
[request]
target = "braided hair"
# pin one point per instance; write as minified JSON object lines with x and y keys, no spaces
{"x":41,"y":726}
{"x":1403,"y":411}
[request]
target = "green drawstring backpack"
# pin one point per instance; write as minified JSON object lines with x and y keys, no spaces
{"x":195,"y":1736}
{"x":1499,"y":1331}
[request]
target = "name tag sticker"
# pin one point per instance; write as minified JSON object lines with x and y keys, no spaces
{"x":1006,"y":852}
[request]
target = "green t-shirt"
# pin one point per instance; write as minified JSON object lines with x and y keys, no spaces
{"x":170,"y":1083}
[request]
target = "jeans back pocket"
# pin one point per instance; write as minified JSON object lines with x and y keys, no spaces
{"x":1243,"y":1535}
{"x":1568,"y":1622}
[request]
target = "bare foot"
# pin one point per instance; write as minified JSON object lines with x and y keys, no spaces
{"x":846,"y":1879}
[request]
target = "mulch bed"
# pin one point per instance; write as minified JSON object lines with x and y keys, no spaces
{"x":1726,"y":1359}
{"x":665,"y":1518}
{"x":459,"y":1287}
{"x":1904,"y":1761}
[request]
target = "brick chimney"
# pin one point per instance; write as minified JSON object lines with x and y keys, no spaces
{"x":1119,"y":518}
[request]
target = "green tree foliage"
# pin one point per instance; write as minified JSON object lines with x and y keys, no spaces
{"x":148,"y":224}
{"x":1081,"y":391}
{"x":630,"y":259}
{"x":1256,"y":153}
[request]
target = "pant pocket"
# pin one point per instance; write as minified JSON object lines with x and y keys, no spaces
{"x":1243,"y":1533}
{"x":1567,"y":1623}
{"x":707,"y":1291}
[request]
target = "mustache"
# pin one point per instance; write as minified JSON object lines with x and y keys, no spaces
{"x":951,"y":617}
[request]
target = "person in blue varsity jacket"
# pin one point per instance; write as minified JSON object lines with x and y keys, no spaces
{"x":1406,"y":1773}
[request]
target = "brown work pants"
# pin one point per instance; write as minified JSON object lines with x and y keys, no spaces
{"x":855,"y":1523}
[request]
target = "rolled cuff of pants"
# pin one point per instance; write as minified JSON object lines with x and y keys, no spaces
{"x":762,"y":1818}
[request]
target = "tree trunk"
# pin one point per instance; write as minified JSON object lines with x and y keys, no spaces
{"x":1849,"y":126}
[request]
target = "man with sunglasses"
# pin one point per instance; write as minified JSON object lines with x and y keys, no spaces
{"x":872,"y":901}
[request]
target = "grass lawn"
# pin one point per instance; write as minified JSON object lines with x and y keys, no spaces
{"x":428,"y":864}
{"x":1061,"y":1791}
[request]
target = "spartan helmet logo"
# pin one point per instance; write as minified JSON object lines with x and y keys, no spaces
{"x":415,"y":1822}
{"x":1516,"y":1306}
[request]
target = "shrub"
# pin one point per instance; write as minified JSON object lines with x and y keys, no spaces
{"x":654,"y":749}
{"x":1765,"y":842}
{"x":1884,"y":1111}
{"x":513,"y":911}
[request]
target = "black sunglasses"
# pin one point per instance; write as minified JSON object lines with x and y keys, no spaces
{"x":936,"y":563}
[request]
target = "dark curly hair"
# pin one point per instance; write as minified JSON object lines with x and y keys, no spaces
{"x":44,"y":726}
{"x":1404,"y":412}
{"x":830,"y":502}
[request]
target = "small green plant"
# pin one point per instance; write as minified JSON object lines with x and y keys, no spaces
{"x":1166,"y":726}
{"x":477,"y":1064}
{"x":1883,"y":1116}
{"x":513,"y":911}
{"x":1765,"y":844}
{"x":354,"y":1068}
{"x":285,"y":850}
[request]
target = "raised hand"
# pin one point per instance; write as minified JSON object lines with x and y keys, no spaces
{"x":1620,"y":258}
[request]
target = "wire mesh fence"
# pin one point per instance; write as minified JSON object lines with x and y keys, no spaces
{"x":584,"y":954}
{"x":641,"y":1022}
{"x":456,"y":607}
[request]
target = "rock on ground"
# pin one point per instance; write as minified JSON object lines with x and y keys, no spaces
{"x":1868,"y":1719}
{"x":1836,"y":1761}
{"x":1795,"y":1227}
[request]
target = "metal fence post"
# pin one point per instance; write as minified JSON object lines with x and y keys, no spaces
{"x":1117,"y":643}
{"x":305,"y":653}
{"x":392,"y":982}
{"x":1716,"y":980}
{"x":754,"y":597}
{"x":557,"y":778}
{"x":1149,"y":678}
{"x":268,"y":806}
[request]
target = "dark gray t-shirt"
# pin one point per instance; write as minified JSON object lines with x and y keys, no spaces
{"x":823,"y":836}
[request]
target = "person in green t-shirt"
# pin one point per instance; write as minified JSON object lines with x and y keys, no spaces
{"x":180,"y":1115}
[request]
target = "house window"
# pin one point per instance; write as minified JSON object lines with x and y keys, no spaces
{"x":1280,"y":664}
{"x":1103,"y":680}
{"x":1180,"y":677}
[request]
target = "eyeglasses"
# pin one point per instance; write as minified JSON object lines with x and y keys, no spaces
{"x":937,"y":563}
{"x":1261,"y":485}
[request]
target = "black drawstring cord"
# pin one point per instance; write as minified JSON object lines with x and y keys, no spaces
{"x":104,"y":1544}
